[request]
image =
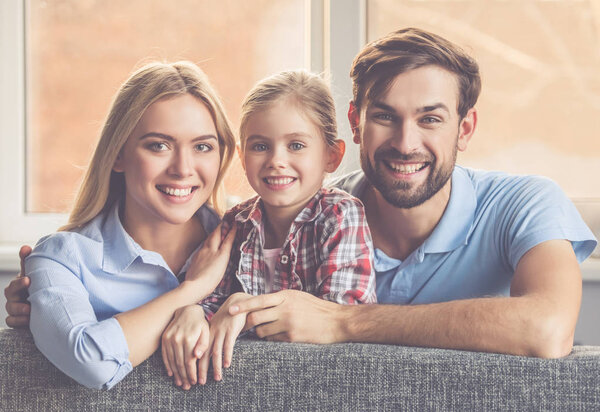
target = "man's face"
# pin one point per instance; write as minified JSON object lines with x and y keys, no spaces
{"x":410,"y":135}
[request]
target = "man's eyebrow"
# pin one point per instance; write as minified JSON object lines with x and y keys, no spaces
{"x":171,"y":138}
{"x":432,"y":107}
{"x":424,"y":109}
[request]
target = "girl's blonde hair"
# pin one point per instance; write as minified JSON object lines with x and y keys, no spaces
{"x":307,"y":90}
{"x":101,"y":187}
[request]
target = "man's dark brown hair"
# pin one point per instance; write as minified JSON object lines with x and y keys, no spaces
{"x":380,"y":61}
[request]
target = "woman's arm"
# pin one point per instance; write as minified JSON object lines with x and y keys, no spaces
{"x":144,"y":325}
{"x":100,"y":353}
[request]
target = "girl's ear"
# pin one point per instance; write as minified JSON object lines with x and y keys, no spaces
{"x":335,"y":154}
{"x":240,"y":153}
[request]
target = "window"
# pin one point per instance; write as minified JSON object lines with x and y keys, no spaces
{"x":540,"y":98}
{"x":539,"y":109}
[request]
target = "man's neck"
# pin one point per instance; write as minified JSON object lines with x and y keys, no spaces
{"x":398,"y":232}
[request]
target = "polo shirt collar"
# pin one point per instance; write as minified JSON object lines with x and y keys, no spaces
{"x":454,"y":227}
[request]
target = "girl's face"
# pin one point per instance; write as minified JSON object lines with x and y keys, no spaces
{"x":170,"y":161}
{"x":285,"y":156}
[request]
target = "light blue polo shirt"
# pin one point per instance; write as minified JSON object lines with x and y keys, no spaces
{"x":491,"y":220}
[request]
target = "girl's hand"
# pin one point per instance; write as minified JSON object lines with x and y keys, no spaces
{"x":224,"y":330}
{"x":209,"y":262}
{"x":184,"y":341}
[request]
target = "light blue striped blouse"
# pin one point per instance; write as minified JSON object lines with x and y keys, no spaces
{"x":79,"y":281}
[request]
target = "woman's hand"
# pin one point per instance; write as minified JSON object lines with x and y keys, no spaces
{"x":224,"y":330}
{"x":184,"y":341}
{"x":210,"y":262}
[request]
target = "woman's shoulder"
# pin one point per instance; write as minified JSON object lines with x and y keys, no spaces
{"x":69,"y":247}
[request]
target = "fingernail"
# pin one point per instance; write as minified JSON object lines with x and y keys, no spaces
{"x":198,"y":353}
{"x":218,"y":378}
{"x":226,"y":364}
{"x":234,"y":309}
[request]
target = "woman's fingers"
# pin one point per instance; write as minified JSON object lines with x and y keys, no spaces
{"x":204,"y":362}
{"x":190,"y":361}
{"x":165,"y":357}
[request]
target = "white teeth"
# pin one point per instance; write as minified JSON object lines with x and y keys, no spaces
{"x":176,"y":192}
{"x":279,"y":180}
{"x":402,"y":168}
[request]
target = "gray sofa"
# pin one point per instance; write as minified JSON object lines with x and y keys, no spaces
{"x":269,"y":376}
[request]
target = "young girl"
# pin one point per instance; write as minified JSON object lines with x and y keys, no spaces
{"x":104,"y":288}
{"x":294,"y":234}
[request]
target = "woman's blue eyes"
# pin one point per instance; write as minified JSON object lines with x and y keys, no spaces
{"x":161,"y":147}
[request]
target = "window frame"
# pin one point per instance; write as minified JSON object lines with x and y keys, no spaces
{"x":336,"y":31}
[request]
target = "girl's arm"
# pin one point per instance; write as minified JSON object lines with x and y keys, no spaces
{"x":346,"y":274}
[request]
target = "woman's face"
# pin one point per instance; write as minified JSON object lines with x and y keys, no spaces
{"x":170,"y":161}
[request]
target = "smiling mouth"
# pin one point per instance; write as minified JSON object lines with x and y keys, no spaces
{"x":404,"y":168}
{"x":278,"y":180}
{"x":177,"y":192}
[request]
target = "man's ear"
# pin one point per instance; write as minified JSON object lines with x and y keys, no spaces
{"x":466,"y":128}
{"x":238,"y":149}
{"x":354,"y":118}
{"x":335,"y":154}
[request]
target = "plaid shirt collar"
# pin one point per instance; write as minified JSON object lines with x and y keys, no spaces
{"x":254,"y":213}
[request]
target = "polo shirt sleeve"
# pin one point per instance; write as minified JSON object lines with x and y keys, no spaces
{"x":65,"y":328}
{"x":534,"y":210}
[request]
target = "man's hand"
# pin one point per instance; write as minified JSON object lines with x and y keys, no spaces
{"x":293,"y":316}
{"x":16,"y":294}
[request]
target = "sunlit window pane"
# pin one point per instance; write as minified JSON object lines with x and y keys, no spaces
{"x":80,"y":51}
{"x":539,"y":111}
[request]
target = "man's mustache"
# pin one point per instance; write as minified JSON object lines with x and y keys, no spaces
{"x":393,"y":154}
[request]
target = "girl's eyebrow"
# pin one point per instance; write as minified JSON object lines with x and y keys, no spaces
{"x":287,"y":136}
{"x":171,"y":138}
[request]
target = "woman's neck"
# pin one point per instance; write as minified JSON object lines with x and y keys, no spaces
{"x":175,"y":243}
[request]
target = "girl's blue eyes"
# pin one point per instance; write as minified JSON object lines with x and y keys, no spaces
{"x":261,"y":147}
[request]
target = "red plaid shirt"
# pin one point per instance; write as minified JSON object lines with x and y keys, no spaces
{"x":328,"y":252}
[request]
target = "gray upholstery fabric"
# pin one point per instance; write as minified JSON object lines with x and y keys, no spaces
{"x":347,"y":377}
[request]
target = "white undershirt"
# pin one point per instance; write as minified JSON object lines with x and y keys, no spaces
{"x":271,"y":257}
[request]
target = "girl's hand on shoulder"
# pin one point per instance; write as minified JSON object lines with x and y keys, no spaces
{"x":224,"y":330}
{"x":210,"y":261}
{"x":184,"y":341}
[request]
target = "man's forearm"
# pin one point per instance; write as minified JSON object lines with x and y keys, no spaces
{"x":512,"y":325}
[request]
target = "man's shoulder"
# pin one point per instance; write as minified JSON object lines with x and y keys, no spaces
{"x":501,"y":186}
{"x":353,"y":183}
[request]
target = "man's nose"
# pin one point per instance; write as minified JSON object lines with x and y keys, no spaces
{"x":406,"y":138}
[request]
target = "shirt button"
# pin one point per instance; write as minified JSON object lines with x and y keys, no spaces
{"x":284,"y":259}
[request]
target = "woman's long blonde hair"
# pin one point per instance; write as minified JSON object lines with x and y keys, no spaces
{"x":101,"y":187}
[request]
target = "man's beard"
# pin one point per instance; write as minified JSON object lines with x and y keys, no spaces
{"x":397,"y":192}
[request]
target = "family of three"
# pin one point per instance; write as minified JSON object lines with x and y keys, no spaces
{"x":411,"y":249}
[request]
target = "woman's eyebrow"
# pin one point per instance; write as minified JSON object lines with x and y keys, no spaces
{"x":171,"y":138}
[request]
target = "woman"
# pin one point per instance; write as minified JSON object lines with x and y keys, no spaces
{"x":106,"y":285}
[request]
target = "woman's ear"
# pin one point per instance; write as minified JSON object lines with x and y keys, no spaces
{"x":335,"y":154}
{"x":118,"y":165}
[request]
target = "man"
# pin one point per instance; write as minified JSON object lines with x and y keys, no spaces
{"x":465,"y":259}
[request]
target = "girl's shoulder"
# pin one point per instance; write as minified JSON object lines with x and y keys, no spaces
{"x":338,"y":200}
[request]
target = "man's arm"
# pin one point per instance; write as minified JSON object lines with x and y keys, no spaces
{"x":17,"y":306}
{"x":538,"y":319}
